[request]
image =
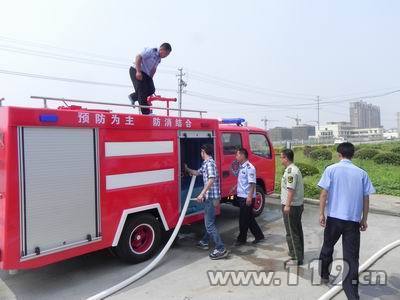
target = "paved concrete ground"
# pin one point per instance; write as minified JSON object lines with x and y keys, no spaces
{"x":191,"y":281}
{"x":183,"y":272}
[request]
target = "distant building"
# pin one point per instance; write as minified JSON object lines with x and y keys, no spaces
{"x":364,"y":115}
{"x":279,"y":134}
{"x":398,"y":123}
{"x":366,"y":134}
{"x":334,"y":130}
{"x":345,"y":130}
{"x":303,"y":132}
{"x":391,"y":134}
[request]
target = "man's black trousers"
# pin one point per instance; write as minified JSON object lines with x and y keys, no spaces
{"x":247,"y":221}
{"x":143,"y":89}
{"x":350,"y":232}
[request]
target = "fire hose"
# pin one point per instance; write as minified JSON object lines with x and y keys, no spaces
{"x":336,"y":289}
{"x":112,"y":290}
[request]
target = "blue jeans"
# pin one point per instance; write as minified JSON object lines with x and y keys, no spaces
{"x":211,"y":229}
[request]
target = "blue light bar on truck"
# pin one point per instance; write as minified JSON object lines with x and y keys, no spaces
{"x":237,"y":121}
{"x":48,"y":118}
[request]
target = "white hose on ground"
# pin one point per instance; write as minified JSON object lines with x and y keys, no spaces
{"x":149,"y":267}
{"x":336,"y":289}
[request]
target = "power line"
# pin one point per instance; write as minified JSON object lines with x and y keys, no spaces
{"x":211,"y":78}
{"x":79,"y":52}
{"x":63,"y":57}
{"x":244,"y":88}
{"x":70,"y":80}
{"x":239,"y":102}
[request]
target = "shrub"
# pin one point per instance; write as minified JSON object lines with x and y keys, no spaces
{"x":387,"y":158}
{"x":321,"y":154}
{"x":278,"y":151}
{"x":307,"y":170}
{"x":307,"y":150}
{"x":311,"y":190}
{"x":396,"y":150}
{"x":366,"y":153}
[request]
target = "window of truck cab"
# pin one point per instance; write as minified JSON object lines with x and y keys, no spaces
{"x":231,"y":141}
{"x":259,"y":145}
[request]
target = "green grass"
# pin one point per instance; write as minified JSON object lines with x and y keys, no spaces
{"x":385,"y":178}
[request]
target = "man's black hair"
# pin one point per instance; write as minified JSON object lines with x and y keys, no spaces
{"x":243,"y":151}
{"x":289,"y":154}
{"x":208,"y":149}
{"x":166,"y":46}
{"x":346,"y":150}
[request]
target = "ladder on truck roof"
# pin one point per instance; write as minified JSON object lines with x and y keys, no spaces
{"x":65,"y":100}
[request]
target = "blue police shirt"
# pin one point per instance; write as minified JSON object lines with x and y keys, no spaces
{"x":347,"y":185}
{"x":246,"y":176}
{"x":150,"y":60}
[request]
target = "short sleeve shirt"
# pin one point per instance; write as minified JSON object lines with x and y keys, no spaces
{"x":246,"y":176}
{"x":209,"y":170}
{"x":292,"y":179}
{"x":150,"y":60}
{"x":347,"y":185}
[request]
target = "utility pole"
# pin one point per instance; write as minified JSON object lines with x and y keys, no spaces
{"x":181,"y":84}
{"x":318,"y":109}
{"x":297,"y":119}
{"x":265,"y":121}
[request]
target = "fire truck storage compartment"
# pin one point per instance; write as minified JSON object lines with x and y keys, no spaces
{"x":190,"y":143}
{"x":59,"y":193}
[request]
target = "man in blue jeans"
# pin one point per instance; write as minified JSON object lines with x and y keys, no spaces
{"x":345,"y":191}
{"x":210,"y":196}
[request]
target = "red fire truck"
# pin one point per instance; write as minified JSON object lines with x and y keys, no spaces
{"x":76,"y":180}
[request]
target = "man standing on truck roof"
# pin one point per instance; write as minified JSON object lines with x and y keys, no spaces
{"x":142,"y":74}
{"x":292,"y":198}
{"x":346,"y":188}
{"x":210,"y":196}
{"x":246,"y":193}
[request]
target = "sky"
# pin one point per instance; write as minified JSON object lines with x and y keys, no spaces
{"x":251,"y":59}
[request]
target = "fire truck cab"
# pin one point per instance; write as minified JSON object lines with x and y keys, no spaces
{"x":76,"y":180}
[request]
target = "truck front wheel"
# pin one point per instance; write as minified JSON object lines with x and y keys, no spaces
{"x":140,"y":238}
{"x":259,"y":203}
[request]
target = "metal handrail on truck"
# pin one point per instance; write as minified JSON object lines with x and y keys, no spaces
{"x":64,"y":100}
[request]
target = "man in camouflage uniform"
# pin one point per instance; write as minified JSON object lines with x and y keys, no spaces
{"x":292,"y":198}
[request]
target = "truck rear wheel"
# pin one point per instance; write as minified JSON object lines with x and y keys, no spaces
{"x":259,"y":203}
{"x":140,"y":239}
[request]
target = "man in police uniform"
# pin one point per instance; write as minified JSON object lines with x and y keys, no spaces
{"x":345,"y":190}
{"x":142,"y":74}
{"x":246,"y":193}
{"x":292,"y":198}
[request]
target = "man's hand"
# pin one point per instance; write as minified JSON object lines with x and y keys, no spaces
{"x":232,"y":191}
{"x":139,"y":75}
{"x":200,"y":198}
{"x":286,"y":210}
{"x":363,"y":225}
{"x":322,"y":220}
{"x":249,"y":201}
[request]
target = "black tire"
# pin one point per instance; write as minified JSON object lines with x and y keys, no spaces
{"x":148,"y":234}
{"x":258,"y":207}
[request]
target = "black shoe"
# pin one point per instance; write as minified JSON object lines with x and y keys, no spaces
{"x":324,"y":280}
{"x":239,"y":243}
{"x":256,"y":241}
{"x":132,"y":99}
{"x":217,"y":254}
{"x":202,"y":245}
{"x":293,"y":262}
